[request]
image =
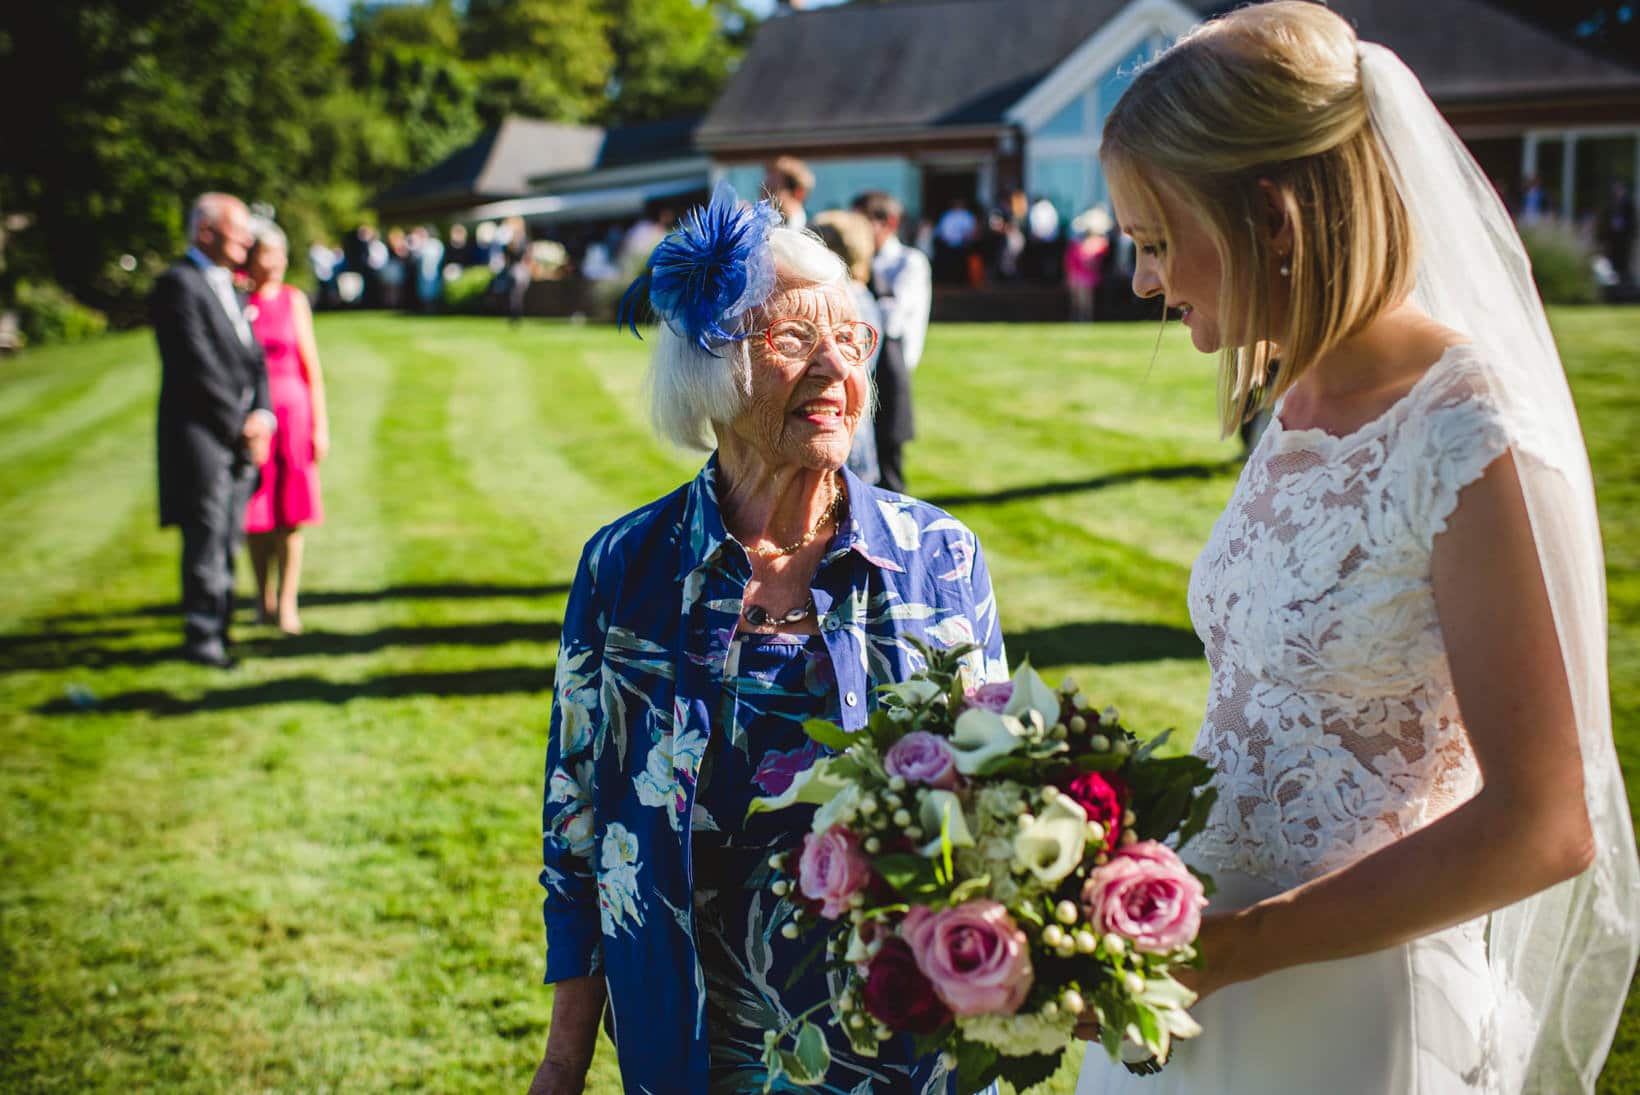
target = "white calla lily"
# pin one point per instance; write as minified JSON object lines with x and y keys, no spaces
{"x":1052,"y":845}
{"x":979,"y":735}
{"x":943,"y":808}
{"x":1031,"y":693}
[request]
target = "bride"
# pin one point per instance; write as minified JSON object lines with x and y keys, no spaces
{"x":1426,"y":867}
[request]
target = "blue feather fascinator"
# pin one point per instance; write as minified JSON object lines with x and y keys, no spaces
{"x":715,"y":267}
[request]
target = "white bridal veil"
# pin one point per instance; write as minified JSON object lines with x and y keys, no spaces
{"x":1561,"y":959}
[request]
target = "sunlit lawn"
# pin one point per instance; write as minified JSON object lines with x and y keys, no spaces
{"x":317,"y":872}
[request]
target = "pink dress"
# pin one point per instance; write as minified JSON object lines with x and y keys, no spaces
{"x":289,"y":493}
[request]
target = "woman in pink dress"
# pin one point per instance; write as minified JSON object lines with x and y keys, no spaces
{"x":288,"y":497}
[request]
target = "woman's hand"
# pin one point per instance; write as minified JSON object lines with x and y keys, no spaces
{"x":1221,"y":944}
{"x":577,"y":1008}
{"x":321,"y":442}
{"x":560,"y":1076}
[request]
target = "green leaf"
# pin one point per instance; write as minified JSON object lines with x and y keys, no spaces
{"x":1149,"y":1028}
{"x":1199,"y":811}
{"x":1110,"y":1036}
{"x":1026,"y":1072}
{"x":1149,"y":748}
{"x":907,"y":872}
{"x":1098,"y":762}
{"x":977,"y":1066}
{"x":796,"y":1072}
{"x":970,"y":887}
{"x":812,"y":1052}
{"x":829,"y":734}
{"x":926,"y":1045}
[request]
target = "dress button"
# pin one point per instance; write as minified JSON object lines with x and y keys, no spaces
{"x":851,"y":699}
{"x":833,"y":622}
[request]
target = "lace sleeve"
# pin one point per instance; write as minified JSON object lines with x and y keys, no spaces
{"x":1461,"y":432}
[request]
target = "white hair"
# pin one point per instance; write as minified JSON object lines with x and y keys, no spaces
{"x":208,"y":210}
{"x":690,"y":389}
{"x":268,"y":234}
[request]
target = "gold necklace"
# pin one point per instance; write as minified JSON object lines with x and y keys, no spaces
{"x":827,"y":516}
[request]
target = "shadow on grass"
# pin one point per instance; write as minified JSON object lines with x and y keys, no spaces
{"x":71,"y":650}
{"x":1102,"y":643}
{"x":429,"y":591}
{"x":501,"y":680}
{"x":1077,"y":486}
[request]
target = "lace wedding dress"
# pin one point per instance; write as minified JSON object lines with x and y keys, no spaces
{"x":1333,"y":730}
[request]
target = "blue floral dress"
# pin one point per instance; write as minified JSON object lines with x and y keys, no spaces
{"x":758,"y":746}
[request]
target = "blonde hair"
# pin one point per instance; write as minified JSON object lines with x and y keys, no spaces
{"x":691,"y":389}
{"x":1270,"y":92}
{"x":851,"y":237}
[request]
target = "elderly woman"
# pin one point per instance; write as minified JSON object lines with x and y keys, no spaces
{"x":701,"y":632}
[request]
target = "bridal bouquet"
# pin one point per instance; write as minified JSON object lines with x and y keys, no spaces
{"x":991,"y":867}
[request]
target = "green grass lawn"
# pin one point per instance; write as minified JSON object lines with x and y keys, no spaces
{"x":317,"y":872}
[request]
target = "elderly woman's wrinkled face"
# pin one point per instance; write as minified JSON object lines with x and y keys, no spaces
{"x":804,"y":410}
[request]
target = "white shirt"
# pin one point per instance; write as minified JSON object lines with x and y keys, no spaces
{"x":904,"y":285}
{"x":221,"y":283}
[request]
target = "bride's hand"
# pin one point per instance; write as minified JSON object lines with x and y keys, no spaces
{"x":1221,"y":945}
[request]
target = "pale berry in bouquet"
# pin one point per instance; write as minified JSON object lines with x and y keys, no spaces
{"x":989,"y":865}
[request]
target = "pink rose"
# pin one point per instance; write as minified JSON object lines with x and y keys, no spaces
{"x":921,"y":757}
{"x":992,"y":697}
{"x":976,"y":958}
{"x":832,"y":869}
{"x":1146,"y":895}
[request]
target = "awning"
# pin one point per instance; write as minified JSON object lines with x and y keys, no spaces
{"x":614,"y":201}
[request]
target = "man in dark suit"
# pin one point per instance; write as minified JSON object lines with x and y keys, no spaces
{"x":215,"y":424}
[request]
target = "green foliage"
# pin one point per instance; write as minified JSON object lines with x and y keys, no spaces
{"x":46,"y":314}
{"x":1562,"y":264}
{"x":563,"y":45}
{"x":671,"y":56}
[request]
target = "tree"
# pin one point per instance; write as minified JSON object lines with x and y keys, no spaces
{"x":134,"y":107}
{"x":549,"y":58}
{"x":672,"y":56}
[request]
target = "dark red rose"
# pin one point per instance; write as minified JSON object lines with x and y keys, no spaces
{"x":1103,"y":796}
{"x":898,"y":995}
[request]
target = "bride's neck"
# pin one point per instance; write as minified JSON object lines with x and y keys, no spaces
{"x":1388,"y":354}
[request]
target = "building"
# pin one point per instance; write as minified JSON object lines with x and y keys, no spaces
{"x":940,"y":99}
{"x":496,"y":167}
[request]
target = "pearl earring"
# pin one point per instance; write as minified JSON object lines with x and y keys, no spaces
{"x":1286,"y":270}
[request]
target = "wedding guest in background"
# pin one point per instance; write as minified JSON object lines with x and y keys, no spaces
{"x":788,"y":182}
{"x":427,"y":260}
{"x":1615,"y":229}
{"x":287,"y":499}
{"x":702,"y":631}
{"x":215,"y":418}
{"x":954,"y":236}
{"x":1085,"y":261}
{"x":903,"y":282}
{"x":850,"y":236}
{"x":394,"y":272}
